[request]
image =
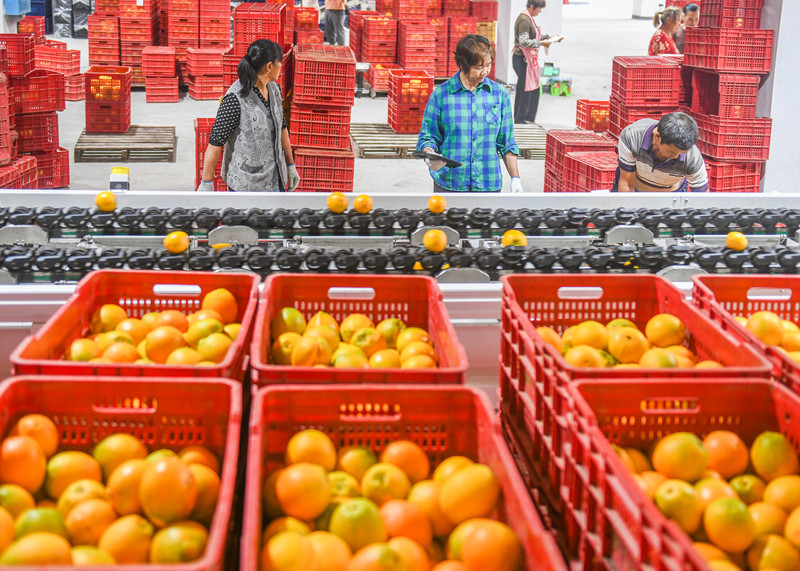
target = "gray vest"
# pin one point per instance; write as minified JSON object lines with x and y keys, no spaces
{"x":250,"y":156}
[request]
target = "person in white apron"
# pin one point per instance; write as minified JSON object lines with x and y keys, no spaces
{"x":525,"y":59}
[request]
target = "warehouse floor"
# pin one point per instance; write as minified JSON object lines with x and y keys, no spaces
{"x":586,"y":58}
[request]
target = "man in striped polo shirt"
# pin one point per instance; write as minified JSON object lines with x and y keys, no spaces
{"x":661,"y":156}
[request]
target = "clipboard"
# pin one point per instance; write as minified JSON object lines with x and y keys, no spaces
{"x":435,"y":157}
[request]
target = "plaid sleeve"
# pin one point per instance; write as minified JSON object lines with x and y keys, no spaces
{"x":505,"y":136}
{"x":431,"y":134}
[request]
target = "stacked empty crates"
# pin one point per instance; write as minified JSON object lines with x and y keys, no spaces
{"x":215,"y":24}
{"x":485,"y":12}
{"x":54,"y":56}
{"x":416,"y":42}
{"x":727,"y":57}
{"x":323,"y":94}
{"x":409,"y":91}
{"x":139,"y":23}
{"x":379,"y":40}
{"x":183,"y":32}
{"x":356,"y":30}
{"x":104,"y":38}
{"x":441,"y":55}
{"x":108,"y":99}
{"x":571,"y":160}
{"x":160,"y":75}
{"x":458,"y":27}
{"x":204,"y":66}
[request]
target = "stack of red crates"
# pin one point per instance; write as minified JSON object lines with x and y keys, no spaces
{"x":230,"y":65}
{"x":54,"y":56}
{"x":559,"y":144}
{"x":411,"y":10}
{"x":108,"y":99}
{"x":356,"y":29}
{"x":379,"y":40}
{"x":589,"y":171}
{"x":204,"y":66}
{"x":183,"y":32}
{"x":139,"y":24}
{"x":485,"y":12}
{"x":643,"y":87}
{"x":409,"y":91}
{"x":306,"y":26}
{"x":202,"y":132}
{"x":160,"y":76}
{"x":727,"y":57}
{"x":457,"y":28}
{"x":592,"y":115}
{"x":441,"y":55}
{"x":10,"y":176}
{"x":378,"y":76}
{"x":104,"y":39}
{"x":323,"y":94}
{"x":32,"y":25}
{"x":253,"y":22}
{"x":215,"y":24}
{"x":455,"y":7}
{"x":416,"y":44}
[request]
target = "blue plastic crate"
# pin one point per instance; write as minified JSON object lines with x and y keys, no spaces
{"x":43,"y":8}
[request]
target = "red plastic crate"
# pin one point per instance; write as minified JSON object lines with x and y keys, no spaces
{"x":460,"y":26}
{"x":735,"y":50}
{"x":104,"y":52}
{"x":65,"y":62}
{"x":325,"y":171}
{"x":158,"y":61}
{"x":131,"y":55}
{"x":37,"y":132}
{"x":384,"y":6}
{"x":732,"y":14}
{"x":255,"y":21}
{"x":230,"y":64}
{"x":406,"y":118}
{"x":416,"y":35}
{"x":378,"y":29}
{"x":32,"y":25}
{"x":643,"y":81}
{"x":687,"y":74}
{"x":205,"y":87}
{"x":38,"y":91}
{"x":3,"y":59}
{"x":204,"y":61}
{"x":462,"y":418}
{"x":108,"y":85}
{"x":626,"y":527}
{"x":308,"y":19}
{"x":137,"y":29}
{"x":592,"y":115}
{"x":103,"y":26}
{"x":356,"y":29}
{"x":410,"y":86}
{"x":26,"y":168}
{"x":106,"y":6}
{"x":74,"y":87}
{"x":52,"y":168}
{"x":138,"y":7}
{"x":733,"y":177}
{"x":726,"y":95}
{"x":309,"y":37}
{"x":621,"y":115}
{"x":455,"y":8}
{"x":6,"y":147}
{"x":161,"y":412}
{"x":379,"y":53}
{"x":434,"y":8}
{"x":324,"y":74}
{"x":19,"y":52}
{"x":483,"y":10}
{"x":378,"y":76}
{"x":108,"y":117}
{"x":745,"y":140}
{"x":682,"y":3}
{"x":560,"y":142}
{"x":138,"y":292}
{"x":414,"y":299}
{"x":161,"y":89}
{"x":9,"y":177}
{"x":410,"y":10}
{"x":215,"y":33}
{"x":553,"y":182}
{"x":320,"y":127}
{"x":589,"y":171}
{"x":202,"y":132}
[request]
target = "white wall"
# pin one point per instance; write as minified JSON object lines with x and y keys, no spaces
{"x":646,"y":8}
{"x":550,"y":21}
{"x":603,"y":9}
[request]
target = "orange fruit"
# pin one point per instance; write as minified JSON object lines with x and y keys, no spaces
{"x":709,"y":552}
{"x":362,"y":203}
{"x":514,"y":238}
{"x":350,"y":360}
{"x":791,"y":341}
{"x":115,"y":449}
{"x":750,"y":488}
{"x":682,"y":352}
{"x":208,"y":484}
{"x":411,"y":334}
{"x":107,"y":339}
{"x":680,"y":455}
{"x":680,"y":502}
{"x":185,"y":356}
{"x":107,"y":318}
{"x":409,"y":457}
{"x":772,"y":455}
{"x":391,"y":329}
{"x":418,"y":348}
{"x":171,"y":317}
{"x":40,"y":520}
{"x":331,"y":552}
{"x":412,"y":555}
{"x":435,"y":240}
{"x":767,"y":326}
{"x":405,"y":519}
{"x":303,"y":490}
{"x":179,"y":543}
{"x":330,"y":335}
{"x":214,"y":348}
{"x":736,"y":241}
{"x":128,"y":539}
{"x":355,"y":460}
{"x":343,"y":485}
{"x":450,"y":466}
{"x":88,"y":520}
{"x":658,"y":358}
{"x":105,"y":201}
{"x":38,"y":549}
{"x":269,"y":497}
{"x":622,"y":454}
{"x":337,"y":202}
{"x":768,"y":518}
{"x":176,"y":242}
{"x":201,"y":315}
{"x":727,"y":454}
{"x":161,"y":454}
{"x":310,"y":351}
{"x":383,"y":482}
{"x":450,"y":565}
{"x":426,"y":494}
{"x":773,"y":552}
{"x":470,"y":492}
{"x":376,"y":557}
{"x":284,"y":524}
{"x":369,"y":340}
{"x":311,"y":446}
{"x":288,"y":551}
{"x":437,"y":204}
{"x":591,"y":333}
{"x":358,"y":521}
{"x":584,"y":356}
{"x":6,"y":529}
{"x":162,"y":341}
{"x":168,"y":491}
{"x":549,"y":335}
{"x":791,"y":530}
{"x":78,"y":492}
{"x":784,"y":492}
{"x":83,"y":350}
{"x":491,"y":545}
{"x":640,"y":461}
{"x":385,"y":359}
{"x":196,"y":454}
{"x":123,"y":487}
{"x":650,"y":482}
{"x":323,"y":319}
{"x":729,"y":525}
{"x":627,"y":344}
{"x":15,"y":499}
{"x":67,"y":467}
{"x":223,"y":302}
{"x":136,"y":328}
{"x":418,"y":362}
{"x":710,"y":489}
{"x":121,"y":353}
{"x":86,"y":556}
{"x":282,"y":348}
{"x":663,"y":330}
{"x":288,"y":319}
{"x":41,"y":429}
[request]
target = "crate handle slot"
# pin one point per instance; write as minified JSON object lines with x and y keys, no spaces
{"x":361,"y":293}
{"x":580,"y":292}
{"x":177,"y":289}
{"x":667,"y":405}
{"x":370,"y":412}
{"x":769,"y":293}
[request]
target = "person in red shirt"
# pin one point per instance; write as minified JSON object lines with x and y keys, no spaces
{"x":667,"y":21}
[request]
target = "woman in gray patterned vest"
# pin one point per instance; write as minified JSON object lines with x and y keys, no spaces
{"x":251,"y":126}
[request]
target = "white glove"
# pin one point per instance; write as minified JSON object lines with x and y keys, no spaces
{"x":516,"y":185}
{"x":433,"y":165}
{"x":294,"y":178}
{"x":206,"y":186}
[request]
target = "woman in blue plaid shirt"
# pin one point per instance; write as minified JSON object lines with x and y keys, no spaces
{"x":468,"y":119}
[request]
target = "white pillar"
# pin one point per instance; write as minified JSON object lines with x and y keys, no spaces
{"x":550,"y":21}
{"x":778,"y":97}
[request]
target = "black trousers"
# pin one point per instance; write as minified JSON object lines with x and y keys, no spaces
{"x":526,"y":103}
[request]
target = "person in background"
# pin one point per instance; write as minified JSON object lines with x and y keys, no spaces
{"x":691,"y":19}
{"x":250,"y":124}
{"x":661,"y":156}
{"x":667,"y":21}
{"x":525,"y":59}
{"x":334,"y":22}
{"x":468,"y":119}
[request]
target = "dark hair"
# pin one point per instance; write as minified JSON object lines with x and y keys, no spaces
{"x":678,"y":129}
{"x":536,"y":3}
{"x":259,"y":54}
{"x":690,"y":8}
{"x":471,"y":50}
{"x":670,"y":13}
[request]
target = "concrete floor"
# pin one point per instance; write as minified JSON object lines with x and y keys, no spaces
{"x":586,"y":58}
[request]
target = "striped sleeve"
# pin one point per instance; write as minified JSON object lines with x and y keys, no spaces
{"x":696,"y":167}
{"x":627,"y":162}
